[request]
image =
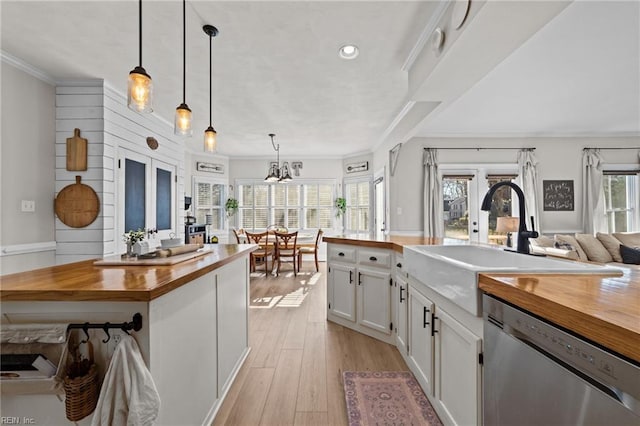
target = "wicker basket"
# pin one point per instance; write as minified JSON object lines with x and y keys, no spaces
{"x":81,"y":395}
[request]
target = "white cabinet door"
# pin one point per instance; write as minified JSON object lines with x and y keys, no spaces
{"x":374,"y":300}
{"x":342,"y":291}
{"x":457,"y":371}
{"x":421,"y":338}
{"x":402,"y":312}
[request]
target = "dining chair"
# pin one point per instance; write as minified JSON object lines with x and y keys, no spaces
{"x":264,"y":249}
{"x":237,"y":233}
{"x":287,"y":247}
{"x":311,"y":250}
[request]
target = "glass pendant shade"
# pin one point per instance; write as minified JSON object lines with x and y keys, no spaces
{"x":210,"y":143}
{"x":140,"y":91}
{"x":182,"y":124}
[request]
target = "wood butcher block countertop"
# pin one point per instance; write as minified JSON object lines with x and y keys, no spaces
{"x":605,"y":310}
{"x":83,"y":281}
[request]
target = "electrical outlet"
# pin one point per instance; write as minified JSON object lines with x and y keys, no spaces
{"x":28,"y":206}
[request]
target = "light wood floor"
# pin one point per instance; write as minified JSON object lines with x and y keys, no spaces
{"x":293,"y":375}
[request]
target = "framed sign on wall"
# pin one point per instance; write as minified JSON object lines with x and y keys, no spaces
{"x":558,"y":195}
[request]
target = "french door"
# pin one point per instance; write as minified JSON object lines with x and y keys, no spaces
{"x":146,"y":197}
{"x":463,"y":191}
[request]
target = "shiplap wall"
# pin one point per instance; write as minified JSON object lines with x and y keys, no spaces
{"x":109,"y":126}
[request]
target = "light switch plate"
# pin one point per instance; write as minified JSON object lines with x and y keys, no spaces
{"x":28,"y":206}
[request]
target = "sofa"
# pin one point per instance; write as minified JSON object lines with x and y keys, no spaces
{"x":619,"y":248}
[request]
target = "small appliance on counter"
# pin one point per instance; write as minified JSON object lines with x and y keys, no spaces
{"x":194,"y":234}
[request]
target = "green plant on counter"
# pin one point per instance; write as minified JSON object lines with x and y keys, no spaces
{"x":133,"y":237}
{"x":231,"y":206}
{"x":341,"y":205}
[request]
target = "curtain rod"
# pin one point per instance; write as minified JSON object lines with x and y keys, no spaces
{"x":477,"y":149}
{"x":636,"y":147}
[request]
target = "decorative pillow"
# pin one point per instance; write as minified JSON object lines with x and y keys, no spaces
{"x":629,"y":239}
{"x":542,"y":241}
{"x":569,"y":239}
{"x":594,"y":248}
{"x":630,"y":255}
{"x":611,"y":244}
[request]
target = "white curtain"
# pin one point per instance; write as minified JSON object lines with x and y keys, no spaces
{"x":593,"y":217}
{"x":433,"y":203}
{"x":528,"y":181}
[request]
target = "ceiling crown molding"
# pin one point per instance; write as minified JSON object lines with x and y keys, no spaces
{"x":426,"y":34}
{"x":28,"y":68}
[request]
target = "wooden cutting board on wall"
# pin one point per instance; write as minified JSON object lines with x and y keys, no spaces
{"x":77,"y":205}
{"x":76,"y":152}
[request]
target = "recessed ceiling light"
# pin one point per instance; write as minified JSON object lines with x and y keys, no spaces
{"x":348,"y":51}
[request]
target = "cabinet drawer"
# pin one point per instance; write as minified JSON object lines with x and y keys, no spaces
{"x":342,"y":253}
{"x":374,"y":258}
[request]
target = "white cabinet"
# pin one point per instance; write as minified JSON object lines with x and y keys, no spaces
{"x":444,"y":355}
{"x":421,"y":339}
{"x":374,"y":305}
{"x":341,"y":290}
{"x":359,"y":288}
{"x":457,"y":371}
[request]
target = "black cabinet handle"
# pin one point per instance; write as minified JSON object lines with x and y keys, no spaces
{"x":372,"y":258}
{"x":399,"y":265}
{"x":433,"y":328}
{"x":401,"y":290}
{"x":341,"y":254}
{"x":350,"y":277}
{"x":424,"y":317}
{"x":359,"y":278}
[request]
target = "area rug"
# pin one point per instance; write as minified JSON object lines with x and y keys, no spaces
{"x":386,"y":398}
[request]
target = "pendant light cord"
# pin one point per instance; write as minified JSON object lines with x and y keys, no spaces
{"x":210,"y":78}
{"x":184,"y":51}
{"x":140,"y":31}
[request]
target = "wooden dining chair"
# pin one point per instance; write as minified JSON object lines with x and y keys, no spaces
{"x":264,"y":251}
{"x":311,"y":250}
{"x":237,"y":233}
{"x":287,"y":247}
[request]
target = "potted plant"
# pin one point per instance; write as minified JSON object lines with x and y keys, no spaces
{"x":231,"y":206}
{"x":131,"y":238}
{"x":341,"y":206}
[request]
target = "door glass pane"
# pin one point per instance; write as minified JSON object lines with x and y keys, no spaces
{"x":163,"y":199}
{"x":456,"y":214}
{"x":500,"y":207}
{"x":216,"y":195}
{"x":134,"y":195}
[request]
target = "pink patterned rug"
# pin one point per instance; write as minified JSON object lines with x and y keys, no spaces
{"x":386,"y":398}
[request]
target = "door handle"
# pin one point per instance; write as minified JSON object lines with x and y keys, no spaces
{"x":401,"y":290}
{"x":341,"y":254}
{"x":433,"y":327}
{"x":359,"y":278}
{"x":424,"y":317}
{"x":475,"y":230}
{"x":350,"y":277}
{"x":373,"y":258}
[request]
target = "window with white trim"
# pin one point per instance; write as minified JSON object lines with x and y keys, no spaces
{"x":296,"y":205}
{"x":209,"y":199}
{"x":358,"y":214}
{"x":621,"y":200}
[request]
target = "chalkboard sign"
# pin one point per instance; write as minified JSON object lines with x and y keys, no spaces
{"x":558,"y":195}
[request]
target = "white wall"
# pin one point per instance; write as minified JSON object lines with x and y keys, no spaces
{"x":27,"y":169}
{"x":559,"y":159}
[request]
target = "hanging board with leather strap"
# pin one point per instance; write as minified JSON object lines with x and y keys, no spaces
{"x":77,"y":205}
{"x":76,"y":152}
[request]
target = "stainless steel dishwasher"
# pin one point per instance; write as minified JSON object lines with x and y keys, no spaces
{"x":538,"y":374}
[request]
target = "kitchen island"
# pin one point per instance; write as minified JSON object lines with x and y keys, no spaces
{"x":441,"y":342}
{"x":194,"y":336}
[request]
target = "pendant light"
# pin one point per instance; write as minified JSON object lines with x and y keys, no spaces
{"x":140,"y":85}
{"x":274,"y":172}
{"x":182,"y":124}
{"x":210,"y":134}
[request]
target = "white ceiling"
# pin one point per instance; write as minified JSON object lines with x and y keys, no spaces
{"x":276,"y":69}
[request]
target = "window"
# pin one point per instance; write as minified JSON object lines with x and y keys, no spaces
{"x":305,"y":205}
{"x":357,"y":193}
{"x":209,"y":196}
{"x":621,"y":200}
